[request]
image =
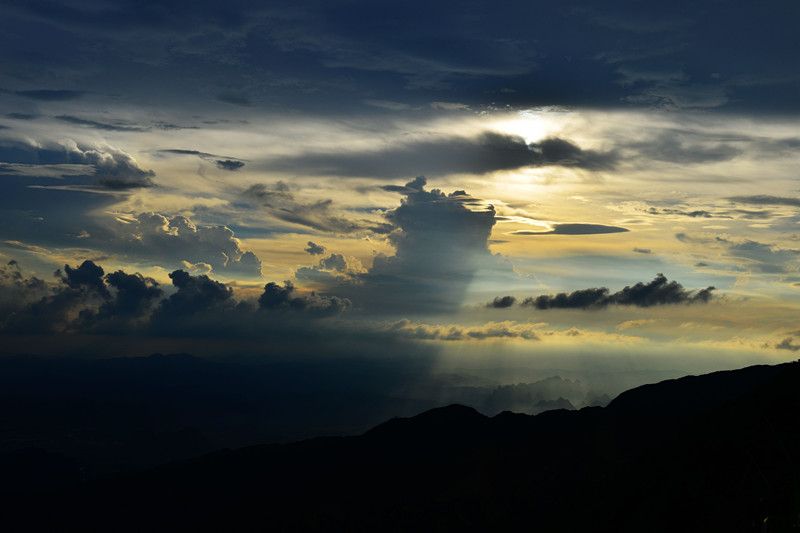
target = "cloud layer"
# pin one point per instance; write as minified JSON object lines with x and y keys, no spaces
{"x":488,"y":152}
{"x":440,"y":240}
{"x":86,"y":300}
{"x":660,"y":291}
{"x":107,"y":166}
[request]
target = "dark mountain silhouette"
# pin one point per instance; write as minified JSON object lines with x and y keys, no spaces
{"x":124,"y":414}
{"x":719,"y":452}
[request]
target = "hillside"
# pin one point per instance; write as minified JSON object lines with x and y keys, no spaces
{"x":719,"y":452}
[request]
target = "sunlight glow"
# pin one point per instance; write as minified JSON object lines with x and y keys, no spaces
{"x":533,"y":124}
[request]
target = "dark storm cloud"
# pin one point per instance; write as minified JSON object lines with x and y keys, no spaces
{"x":17,"y":289}
{"x":502,"y":302}
{"x":203,"y":306}
{"x":735,"y":55}
{"x":86,"y":275}
{"x":109,"y":167}
{"x":50,"y":310}
{"x":86,"y":300}
{"x":229,"y":164}
{"x":285,"y":298}
{"x":97,"y":125}
{"x":134,"y":293}
{"x":319,"y":215}
{"x":765,"y":199}
{"x":128,"y":299}
{"x":489,"y":152}
{"x":195,"y":294}
{"x":315,"y":249}
{"x":660,"y":291}
{"x":575,"y":229}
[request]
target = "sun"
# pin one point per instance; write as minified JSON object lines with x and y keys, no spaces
{"x":532,"y":124}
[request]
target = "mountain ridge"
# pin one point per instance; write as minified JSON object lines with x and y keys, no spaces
{"x":724,"y":459}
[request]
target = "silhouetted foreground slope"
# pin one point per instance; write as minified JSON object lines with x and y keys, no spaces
{"x":719,"y":452}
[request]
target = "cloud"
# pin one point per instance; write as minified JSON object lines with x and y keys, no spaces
{"x":411,"y":187}
{"x":176,"y":151}
{"x":686,"y":147}
{"x":127,"y":303}
{"x":764,"y":199}
{"x":334,"y":262}
{"x":86,"y":300}
{"x":753,"y":255}
{"x":285,"y":298}
{"x":698,"y":213}
{"x":440,"y":244}
{"x":108,"y":167}
{"x":502,"y":302}
{"x":86,"y":275}
{"x":574,"y":229}
{"x":134,"y":293}
{"x":195,"y":294}
{"x":765,"y":257}
{"x":660,"y":291}
{"x":174,"y":240}
{"x":488,"y":152}
{"x":205,"y":307}
{"x":707,"y":212}
{"x":229,"y":164}
{"x":787,"y":344}
{"x":17,"y":290}
{"x":97,"y":125}
{"x":334,"y":269}
{"x":320,"y":215}
{"x":222,"y":162}
{"x":53,"y":308}
{"x":492,"y":330}
{"x":51,"y":95}
{"x":235,"y":99}
{"x":315,"y":249}
{"x":449,"y":106}
{"x":628,"y":324}
{"x":386,"y":104}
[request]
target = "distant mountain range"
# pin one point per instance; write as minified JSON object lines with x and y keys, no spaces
{"x":719,"y":452}
{"x":113,"y":415}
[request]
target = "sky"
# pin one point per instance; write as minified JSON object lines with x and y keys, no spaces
{"x":507,"y":188}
